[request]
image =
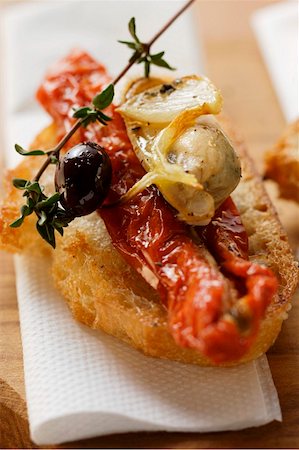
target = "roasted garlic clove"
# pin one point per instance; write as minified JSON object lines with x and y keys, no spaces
{"x":182,"y":148}
{"x":162,"y":103}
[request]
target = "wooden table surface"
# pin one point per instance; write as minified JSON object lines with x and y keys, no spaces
{"x":235,"y":65}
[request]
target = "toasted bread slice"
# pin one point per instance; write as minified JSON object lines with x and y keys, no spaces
{"x":282,"y":163}
{"x":104,"y":292}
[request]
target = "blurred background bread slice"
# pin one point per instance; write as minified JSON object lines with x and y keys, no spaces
{"x":282,"y":163}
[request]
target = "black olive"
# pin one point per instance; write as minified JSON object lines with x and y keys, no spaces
{"x":83,"y":178}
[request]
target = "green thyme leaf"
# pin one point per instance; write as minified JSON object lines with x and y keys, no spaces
{"x":23,"y":152}
{"x":82,"y":112}
{"x":49,"y":201}
{"x":17,"y":223}
{"x":34,"y":187}
{"x":31,"y":203}
{"x":20,"y":183}
{"x":26,"y":210}
{"x":59,"y":223}
{"x":102,"y":121}
{"x":132,"y":29}
{"x":104,"y":99}
{"x":157,"y":56}
{"x":131,"y":45}
{"x":101,"y":101}
{"x":162,"y":63}
{"x":62,"y":218}
{"x":59,"y":229}
{"x":104,"y":117}
{"x":47,"y":232}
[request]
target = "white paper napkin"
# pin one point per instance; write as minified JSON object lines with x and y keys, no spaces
{"x":81,"y":383}
{"x":276,"y":29}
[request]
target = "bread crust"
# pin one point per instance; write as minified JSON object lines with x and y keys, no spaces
{"x":105,"y":293}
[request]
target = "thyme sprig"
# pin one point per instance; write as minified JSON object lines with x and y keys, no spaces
{"x":94,"y":112}
{"x":141,"y":52}
{"x":51,"y":217}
